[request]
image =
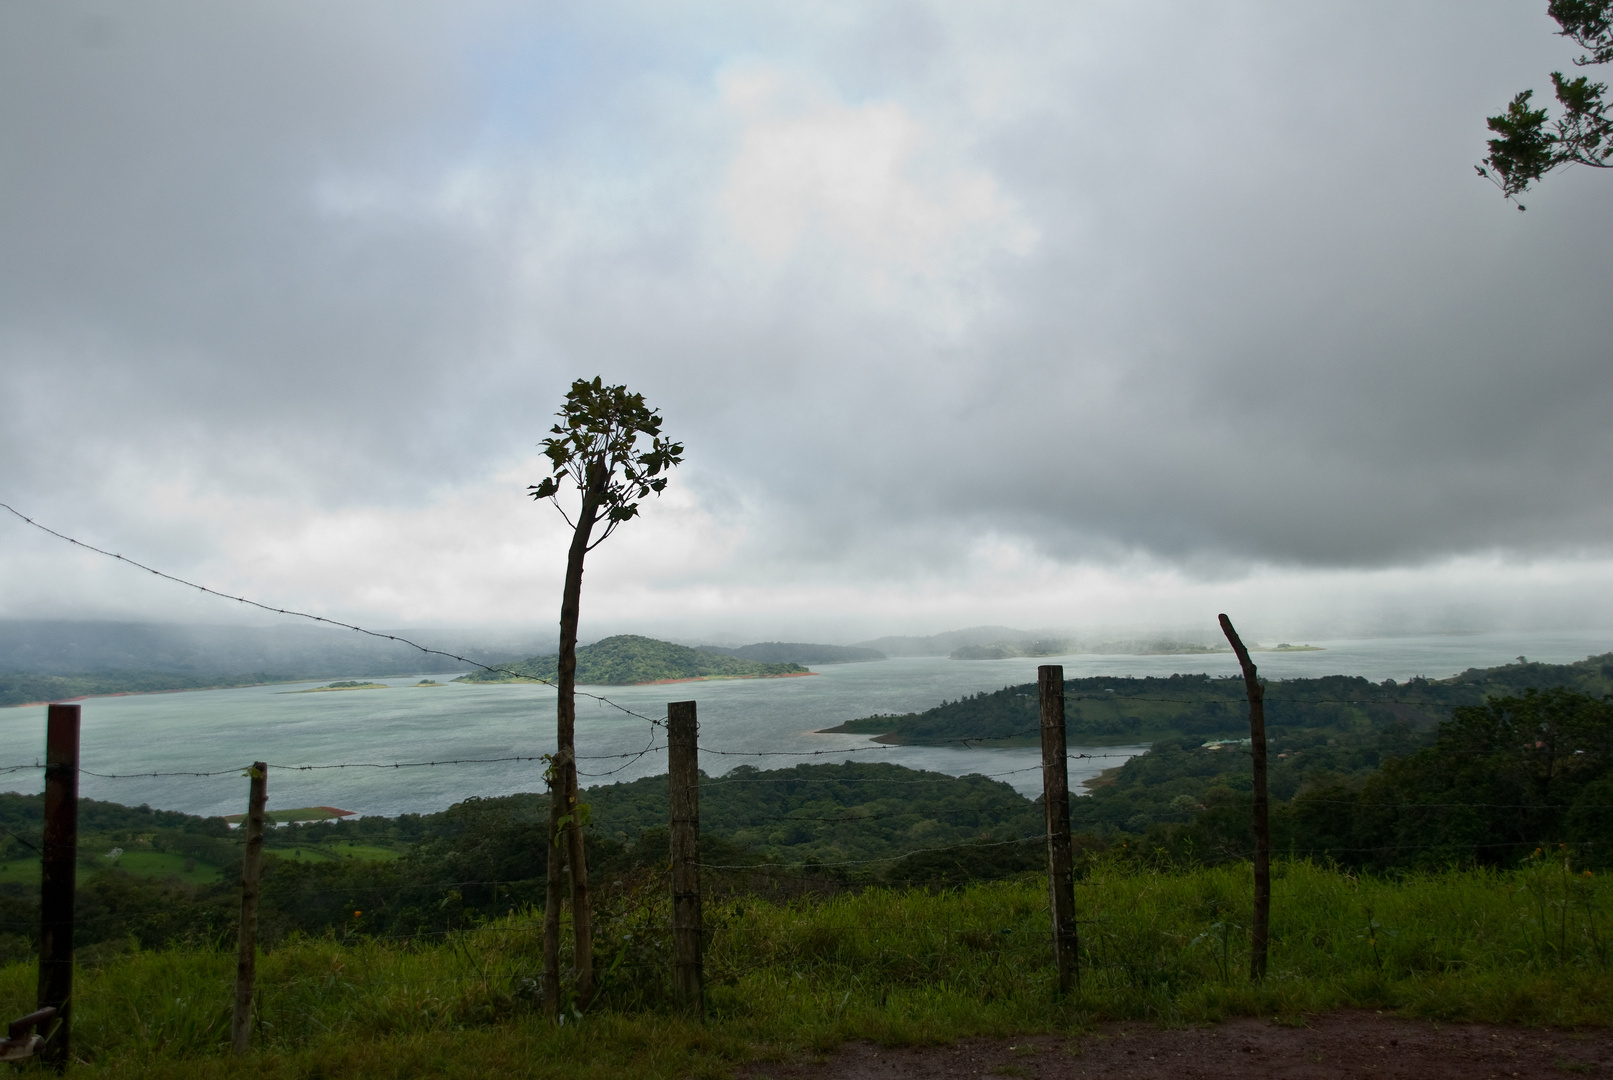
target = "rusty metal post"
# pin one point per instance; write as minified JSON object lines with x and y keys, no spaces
{"x":58,"y":879}
{"x":1262,"y":822}
{"x":1056,"y":801}
{"x":683,"y":773}
{"x":246,"y":959}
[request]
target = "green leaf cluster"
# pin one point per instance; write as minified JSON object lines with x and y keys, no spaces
{"x":596,"y":446}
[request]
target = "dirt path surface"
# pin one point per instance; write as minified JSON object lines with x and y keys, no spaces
{"x":1343,"y":1044}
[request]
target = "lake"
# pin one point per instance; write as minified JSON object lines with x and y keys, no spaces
{"x":768,"y":723}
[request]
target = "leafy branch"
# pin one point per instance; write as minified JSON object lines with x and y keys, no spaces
{"x":1528,"y":143}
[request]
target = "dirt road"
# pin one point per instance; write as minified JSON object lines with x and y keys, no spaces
{"x":1343,"y":1044}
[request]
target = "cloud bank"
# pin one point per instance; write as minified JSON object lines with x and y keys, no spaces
{"x":1069,"y":315}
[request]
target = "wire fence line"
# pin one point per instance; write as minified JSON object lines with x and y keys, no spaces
{"x":634,"y":755}
{"x":271,"y":608}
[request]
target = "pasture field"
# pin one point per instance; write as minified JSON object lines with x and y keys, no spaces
{"x":1527,"y":946}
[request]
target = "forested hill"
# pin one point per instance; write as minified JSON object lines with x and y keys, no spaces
{"x":1109,"y":710}
{"x":155,"y":876}
{"x":628,"y":659}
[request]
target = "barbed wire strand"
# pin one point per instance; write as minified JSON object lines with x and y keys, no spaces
{"x":316,"y":618}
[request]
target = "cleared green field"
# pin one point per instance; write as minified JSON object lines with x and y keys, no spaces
{"x":157,"y":864}
{"x":161,"y":864}
{"x":335,"y":852}
{"x":20,"y":872}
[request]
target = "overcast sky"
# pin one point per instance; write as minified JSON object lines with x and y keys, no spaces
{"x":1067,"y":314}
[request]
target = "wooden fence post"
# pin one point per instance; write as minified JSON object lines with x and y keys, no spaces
{"x":246,"y":960}
{"x":1262,"y":821}
{"x":683,"y":769}
{"x":59,"y":879}
{"x":1056,"y":799}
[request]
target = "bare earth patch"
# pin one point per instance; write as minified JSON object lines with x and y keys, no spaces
{"x":1342,"y":1044}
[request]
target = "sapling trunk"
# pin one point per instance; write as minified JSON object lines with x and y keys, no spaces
{"x":565,"y":830}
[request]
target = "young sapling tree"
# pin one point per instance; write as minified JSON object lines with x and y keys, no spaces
{"x":609,"y":447}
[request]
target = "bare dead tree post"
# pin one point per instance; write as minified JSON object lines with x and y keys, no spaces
{"x":246,"y":958}
{"x":1056,"y":799}
{"x":1262,"y":818}
{"x":683,"y":767}
{"x":58,"y":879}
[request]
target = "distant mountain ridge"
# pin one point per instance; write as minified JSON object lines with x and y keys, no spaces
{"x":630,"y":659}
{"x":797,"y":652}
{"x":1006,"y":643}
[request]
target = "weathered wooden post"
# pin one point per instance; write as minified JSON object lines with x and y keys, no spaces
{"x":58,"y":879}
{"x":1056,"y":800}
{"x":683,"y":768}
{"x":246,"y":960}
{"x":1262,"y":822}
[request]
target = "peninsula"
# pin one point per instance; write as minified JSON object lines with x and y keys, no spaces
{"x":632,"y":660}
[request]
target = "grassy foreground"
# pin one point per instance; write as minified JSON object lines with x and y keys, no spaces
{"x":1528,"y":946}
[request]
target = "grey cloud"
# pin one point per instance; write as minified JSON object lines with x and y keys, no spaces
{"x":1270,"y":316}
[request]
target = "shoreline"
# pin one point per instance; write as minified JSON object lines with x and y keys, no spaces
{"x":708,"y":678}
{"x":144,"y":693}
{"x":289,"y":682}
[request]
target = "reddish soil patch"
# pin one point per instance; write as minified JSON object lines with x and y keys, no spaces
{"x":1343,"y":1044}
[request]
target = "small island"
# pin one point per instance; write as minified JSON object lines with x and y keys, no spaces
{"x":300,"y":814}
{"x":349,"y":685}
{"x":632,"y":660}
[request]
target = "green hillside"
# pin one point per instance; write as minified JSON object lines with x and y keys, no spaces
{"x":1110,"y":710}
{"x":628,"y":659}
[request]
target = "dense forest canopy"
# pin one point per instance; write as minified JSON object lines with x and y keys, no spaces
{"x":1109,"y":709}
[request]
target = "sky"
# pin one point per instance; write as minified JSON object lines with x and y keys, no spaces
{"x":1068,"y":315}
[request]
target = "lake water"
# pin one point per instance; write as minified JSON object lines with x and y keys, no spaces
{"x":769,"y":723}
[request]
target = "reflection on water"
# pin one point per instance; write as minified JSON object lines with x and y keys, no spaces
{"x":768,"y":723}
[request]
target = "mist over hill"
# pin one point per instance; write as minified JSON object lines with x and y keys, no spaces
{"x":1004,"y":642}
{"x":943,"y":644}
{"x":797,"y":652}
{"x":63,"y":647}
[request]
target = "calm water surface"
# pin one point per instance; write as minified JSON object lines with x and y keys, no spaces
{"x":758,"y":722}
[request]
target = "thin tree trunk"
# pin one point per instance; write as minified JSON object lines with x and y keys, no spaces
{"x":569,"y":838}
{"x":554,"y":896}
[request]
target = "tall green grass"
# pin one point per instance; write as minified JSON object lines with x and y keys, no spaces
{"x":1529,"y":945}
